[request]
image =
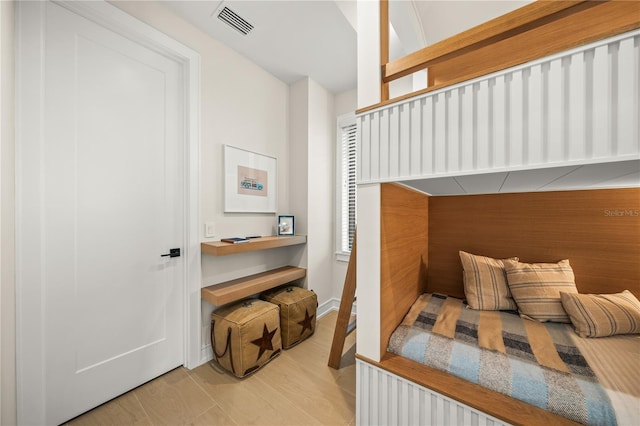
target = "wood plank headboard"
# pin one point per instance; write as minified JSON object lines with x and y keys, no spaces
{"x":597,"y":230}
{"x":403,"y":259}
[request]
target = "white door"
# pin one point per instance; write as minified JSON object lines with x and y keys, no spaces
{"x":100,"y":199}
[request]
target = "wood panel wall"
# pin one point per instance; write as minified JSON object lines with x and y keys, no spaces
{"x":403,"y":258}
{"x":597,"y":230}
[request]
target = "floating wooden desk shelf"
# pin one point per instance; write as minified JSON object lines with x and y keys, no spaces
{"x":218,"y":248}
{"x":230,"y":291}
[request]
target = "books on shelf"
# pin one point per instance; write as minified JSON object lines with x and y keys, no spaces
{"x":235,"y":240}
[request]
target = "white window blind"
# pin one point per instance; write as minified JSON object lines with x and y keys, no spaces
{"x":349,"y":199}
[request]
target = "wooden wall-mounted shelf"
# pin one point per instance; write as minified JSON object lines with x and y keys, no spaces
{"x":230,"y":291}
{"x":218,"y":248}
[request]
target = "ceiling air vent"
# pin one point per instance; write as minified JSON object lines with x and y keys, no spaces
{"x":235,"y":21}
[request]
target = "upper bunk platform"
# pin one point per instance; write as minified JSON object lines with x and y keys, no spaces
{"x":566,"y":121}
{"x":614,"y":174}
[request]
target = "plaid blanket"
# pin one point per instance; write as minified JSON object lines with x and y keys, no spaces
{"x":534,"y":362}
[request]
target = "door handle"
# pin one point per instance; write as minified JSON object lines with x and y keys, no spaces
{"x":174,"y":252}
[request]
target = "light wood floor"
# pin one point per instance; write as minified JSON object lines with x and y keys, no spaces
{"x":296,"y":388}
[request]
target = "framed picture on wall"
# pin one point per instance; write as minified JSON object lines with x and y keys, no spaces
{"x":286,"y":225}
{"x":250,"y":181}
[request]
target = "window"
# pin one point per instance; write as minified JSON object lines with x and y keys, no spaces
{"x":347,"y":200}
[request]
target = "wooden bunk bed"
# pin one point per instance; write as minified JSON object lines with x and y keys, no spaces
{"x":420,"y":235}
{"x":418,"y":259}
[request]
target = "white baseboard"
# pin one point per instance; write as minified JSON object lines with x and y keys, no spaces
{"x":333,"y":305}
{"x":328,"y":306}
{"x":206,"y":355}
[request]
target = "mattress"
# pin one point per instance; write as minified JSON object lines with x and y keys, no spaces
{"x":591,"y":381}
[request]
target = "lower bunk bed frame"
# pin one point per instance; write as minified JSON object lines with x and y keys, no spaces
{"x":415,"y":259}
{"x":399,"y":391}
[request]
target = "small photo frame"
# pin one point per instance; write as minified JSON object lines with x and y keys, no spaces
{"x":286,"y":225}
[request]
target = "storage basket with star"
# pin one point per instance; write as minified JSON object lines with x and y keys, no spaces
{"x":297,"y":312}
{"x":245,"y":336}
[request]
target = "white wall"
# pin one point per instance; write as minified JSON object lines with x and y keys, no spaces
{"x":312,"y":131}
{"x":345,"y":102}
{"x":244,"y":106}
{"x":299,"y":154}
{"x":321,"y":219}
{"x":368,"y":280}
{"x":368,"y":270}
{"x":368,"y":53}
{"x":314,"y":113}
{"x":443,"y":19}
{"x":7,"y":203}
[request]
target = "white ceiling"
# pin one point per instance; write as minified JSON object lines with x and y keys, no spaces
{"x":290,"y":39}
{"x":621,"y":174}
{"x":293,"y":39}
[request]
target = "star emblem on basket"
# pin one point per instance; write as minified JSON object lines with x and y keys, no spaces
{"x":264,"y":343}
{"x":306,"y":322}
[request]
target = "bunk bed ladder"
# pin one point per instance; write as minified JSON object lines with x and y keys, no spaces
{"x":344,"y":324}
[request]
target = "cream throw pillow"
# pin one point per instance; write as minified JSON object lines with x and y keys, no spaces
{"x":536,"y":288}
{"x":601,"y":315}
{"x":485,"y":283}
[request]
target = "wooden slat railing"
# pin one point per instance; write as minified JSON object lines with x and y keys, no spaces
{"x":530,"y":32}
{"x":500,"y":28}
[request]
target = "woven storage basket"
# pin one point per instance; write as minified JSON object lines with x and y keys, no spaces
{"x":245,"y":336}
{"x":297,"y":312}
